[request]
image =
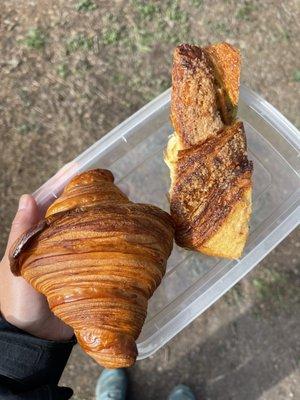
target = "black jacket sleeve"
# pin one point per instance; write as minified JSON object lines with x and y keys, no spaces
{"x":30,"y":367}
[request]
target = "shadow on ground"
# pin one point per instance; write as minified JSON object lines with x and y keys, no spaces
{"x":235,"y":350}
{"x":238,"y":362}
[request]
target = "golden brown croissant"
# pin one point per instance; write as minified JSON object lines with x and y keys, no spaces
{"x":98,"y":258}
{"x":210,"y":194}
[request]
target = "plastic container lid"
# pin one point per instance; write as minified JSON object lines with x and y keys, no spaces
{"x":133,"y":151}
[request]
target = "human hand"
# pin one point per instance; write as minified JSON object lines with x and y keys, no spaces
{"x":20,"y":304}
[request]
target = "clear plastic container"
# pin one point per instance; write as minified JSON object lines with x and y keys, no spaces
{"x":133,"y":151}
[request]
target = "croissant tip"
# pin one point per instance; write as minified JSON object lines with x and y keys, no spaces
{"x":112,"y":363}
{"x":108,"y":348}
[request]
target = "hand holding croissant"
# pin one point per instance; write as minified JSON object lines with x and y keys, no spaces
{"x":98,"y":258}
{"x":21,"y":305}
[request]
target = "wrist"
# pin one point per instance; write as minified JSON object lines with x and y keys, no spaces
{"x":48,"y":328}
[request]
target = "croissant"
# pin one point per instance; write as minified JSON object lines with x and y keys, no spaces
{"x":210,"y":193}
{"x":98,"y":258}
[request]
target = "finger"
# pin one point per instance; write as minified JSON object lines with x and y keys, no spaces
{"x":27,"y":216}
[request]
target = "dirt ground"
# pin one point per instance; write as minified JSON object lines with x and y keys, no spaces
{"x":71,"y":71}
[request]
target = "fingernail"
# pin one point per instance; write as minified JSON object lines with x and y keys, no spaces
{"x":24,"y":201}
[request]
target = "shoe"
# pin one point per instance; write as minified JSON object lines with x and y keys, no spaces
{"x":181,"y":392}
{"x":111,"y":385}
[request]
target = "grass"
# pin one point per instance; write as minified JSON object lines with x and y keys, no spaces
{"x":175,"y":13}
{"x":196,"y":3}
{"x":274,"y":291}
{"x":235,"y":296}
{"x":257,"y":314}
{"x":63,"y":71}
{"x":24,"y":128}
{"x":245,"y":11}
{"x":285,"y":35}
{"x":297,"y":75}
{"x":83,"y":66}
{"x":165,"y":22}
{"x":159,"y":85}
{"x":27,"y":127}
{"x":271,"y":286}
{"x":110,"y":35}
{"x":221,"y":28}
{"x":262,"y":288}
{"x":146,"y":10}
{"x":151,"y":23}
{"x":119,"y":77}
{"x":25,"y":97}
{"x":79,"y":42}
{"x":86,"y":5}
{"x":144,"y":40}
{"x":111,"y":30}
{"x":35,"y":39}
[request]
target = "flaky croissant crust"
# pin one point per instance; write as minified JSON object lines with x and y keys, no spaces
{"x":98,"y":258}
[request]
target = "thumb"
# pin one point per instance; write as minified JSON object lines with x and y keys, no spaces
{"x":27,"y":216}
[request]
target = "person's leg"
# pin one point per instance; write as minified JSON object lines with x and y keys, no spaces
{"x":111,"y":385}
{"x":181,"y":392}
